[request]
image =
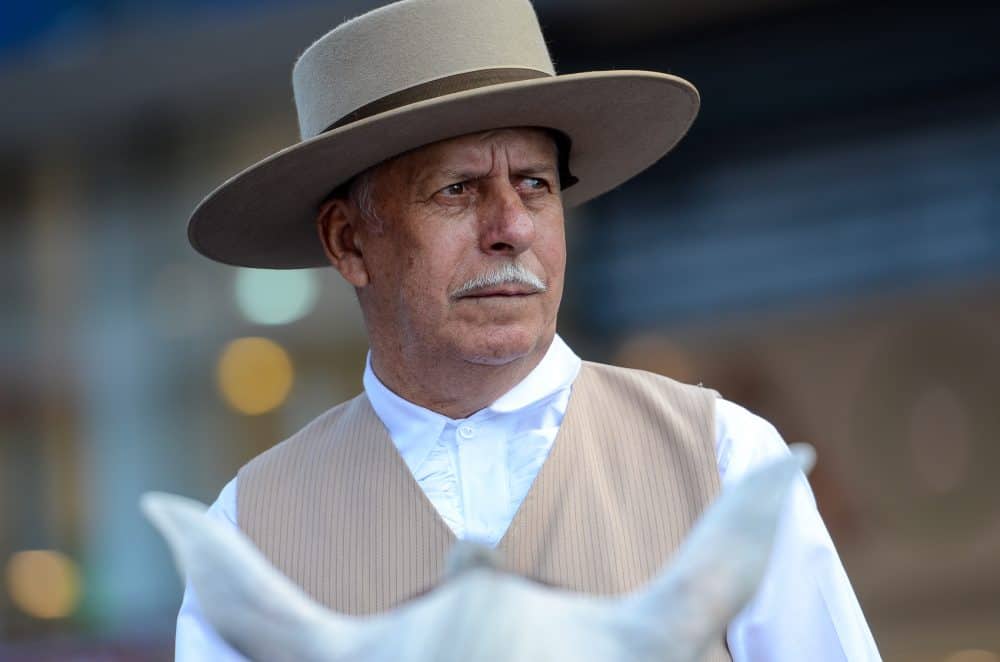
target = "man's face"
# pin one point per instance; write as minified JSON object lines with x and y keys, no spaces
{"x":456,"y":214}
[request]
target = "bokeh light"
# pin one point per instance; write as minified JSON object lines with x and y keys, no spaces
{"x":43,"y":583}
{"x":973,"y":655}
{"x":940,"y":439}
{"x":657,"y":353}
{"x":254,"y":375}
{"x":267,"y":296}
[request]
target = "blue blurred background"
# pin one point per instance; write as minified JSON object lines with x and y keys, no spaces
{"x":824,"y":248}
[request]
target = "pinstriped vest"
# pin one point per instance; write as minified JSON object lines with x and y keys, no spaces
{"x":336,"y":509}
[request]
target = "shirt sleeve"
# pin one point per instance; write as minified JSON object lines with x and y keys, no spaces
{"x":196,"y":640}
{"x":805,"y":608}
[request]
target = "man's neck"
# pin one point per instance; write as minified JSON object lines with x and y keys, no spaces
{"x":456,"y":388}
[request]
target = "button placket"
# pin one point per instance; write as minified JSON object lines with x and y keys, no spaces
{"x":483,"y":480}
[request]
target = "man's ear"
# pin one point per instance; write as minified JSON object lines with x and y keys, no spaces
{"x":338,"y":224}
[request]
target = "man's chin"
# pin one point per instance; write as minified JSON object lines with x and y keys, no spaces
{"x":503,"y":346}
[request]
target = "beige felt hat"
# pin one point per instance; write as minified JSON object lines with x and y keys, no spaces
{"x":418,"y":71}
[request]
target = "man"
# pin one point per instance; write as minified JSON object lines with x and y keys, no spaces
{"x":452,"y":150}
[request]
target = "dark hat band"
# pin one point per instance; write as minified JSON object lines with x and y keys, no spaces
{"x":469,"y":80}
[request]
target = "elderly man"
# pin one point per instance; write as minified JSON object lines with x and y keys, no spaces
{"x":452,"y":149}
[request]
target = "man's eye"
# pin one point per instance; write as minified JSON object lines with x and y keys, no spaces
{"x":534,"y":183}
{"x":454,"y":189}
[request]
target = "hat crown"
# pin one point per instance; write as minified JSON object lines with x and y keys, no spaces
{"x":409,"y":44}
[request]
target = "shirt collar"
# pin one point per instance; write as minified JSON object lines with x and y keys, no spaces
{"x":415,"y":430}
{"x":556,"y":371}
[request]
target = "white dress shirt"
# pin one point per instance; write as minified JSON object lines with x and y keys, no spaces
{"x":476,"y":472}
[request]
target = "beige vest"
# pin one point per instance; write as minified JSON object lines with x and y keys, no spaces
{"x":337,"y":510}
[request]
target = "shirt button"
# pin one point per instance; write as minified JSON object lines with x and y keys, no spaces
{"x":466,"y":431}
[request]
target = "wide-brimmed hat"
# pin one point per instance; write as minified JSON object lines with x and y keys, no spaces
{"x":418,"y":71}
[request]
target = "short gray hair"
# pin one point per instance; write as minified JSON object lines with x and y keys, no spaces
{"x":360,"y":190}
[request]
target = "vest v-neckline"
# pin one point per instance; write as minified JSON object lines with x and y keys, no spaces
{"x":554,"y":462}
{"x":567,"y":429}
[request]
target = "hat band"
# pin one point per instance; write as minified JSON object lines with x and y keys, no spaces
{"x":439,"y":87}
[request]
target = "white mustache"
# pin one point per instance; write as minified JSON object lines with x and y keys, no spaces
{"x":506,"y":273}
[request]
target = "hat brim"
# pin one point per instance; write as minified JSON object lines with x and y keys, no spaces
{"x":619,"y":122}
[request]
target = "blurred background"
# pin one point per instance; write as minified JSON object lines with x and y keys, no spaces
{"x":823,"y":248}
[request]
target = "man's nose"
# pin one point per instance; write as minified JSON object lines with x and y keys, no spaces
{"x":507,"y":226}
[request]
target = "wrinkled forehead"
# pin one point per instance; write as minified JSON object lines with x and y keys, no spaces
{"x":540,"y":147}
{"x":522,"y":147}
